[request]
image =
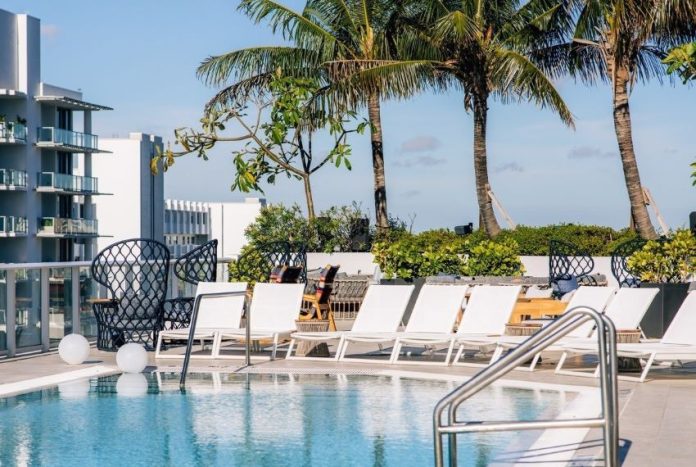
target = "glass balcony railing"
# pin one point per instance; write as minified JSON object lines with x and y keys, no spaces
{"x":62,"y":137}
{"x":13,"y":132}
{"x":13,"y":225}
{"x":62,"y":226}
{"x":65,"y":182}
{"x":10,"y":178}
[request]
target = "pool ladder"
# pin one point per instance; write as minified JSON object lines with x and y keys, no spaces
{"x":192,"y":331}
{"x":607,"y":421}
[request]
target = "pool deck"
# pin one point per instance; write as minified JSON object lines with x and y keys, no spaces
{"x":656,"y":423}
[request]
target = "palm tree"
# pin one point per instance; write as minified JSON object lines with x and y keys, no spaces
{"x":325,"y":31}
{"x":624,"y":41}
{"x":482,"y":48}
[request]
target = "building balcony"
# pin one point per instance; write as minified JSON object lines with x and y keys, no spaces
{"x":66,"y":140}
{"x":13,"y":133}
{"x":57,"y":227}
{"x":13,"y":226}
{"x":13,"y":180}
{"x":51,"y":182}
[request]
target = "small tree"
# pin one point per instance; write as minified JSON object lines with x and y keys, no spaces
{"x":283,"y":145}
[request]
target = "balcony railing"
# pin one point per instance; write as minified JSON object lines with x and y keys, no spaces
{"x":49,"y":226}
{"x":12,"y":179}
{"x":49,"y":136}
{"x":51,"y":181}
{"x":40,"y":303}
{"x":13,"y":225}
{"x":13,"y":132}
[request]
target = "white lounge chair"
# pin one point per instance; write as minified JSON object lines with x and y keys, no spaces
{"x":626,"y":310}
{"x":380,"y":316}
{"x":273,"y":311}
{"x":677,"y":344}
{"x":435,"y":311}
{"x":488,"y":310}
{"x":214,"y":315}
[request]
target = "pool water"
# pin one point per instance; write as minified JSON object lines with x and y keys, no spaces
{"x":259,"y":420}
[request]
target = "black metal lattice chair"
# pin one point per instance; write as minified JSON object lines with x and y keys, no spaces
{"x":198,"y":265}
{"x":567,"y":262}
{"x":618,"y":262}
{"x":134,"y":273}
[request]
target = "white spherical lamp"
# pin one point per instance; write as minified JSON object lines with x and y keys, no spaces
{"x":131,"y":385}
{"x":73,"y":349}
{"x":131,"y":358}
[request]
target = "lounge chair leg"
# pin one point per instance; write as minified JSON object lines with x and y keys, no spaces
{"x":534,"y":362}
{"x":159,"y":344}
{"x":450,"y":348}
{"x":497,"y":353}
{"x":648,"y":364}
{"x":289,"y":352}
{"x":395,"y":352}
{"x":561,"y":362}
{"x":275,"y":347}
{"x":460,"y":351}
{"x":342,"y":347}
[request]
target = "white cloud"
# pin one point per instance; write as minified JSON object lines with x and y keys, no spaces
{"x":422,"y":161}
{"x":588,"y":152}
{"x":420,"y":144}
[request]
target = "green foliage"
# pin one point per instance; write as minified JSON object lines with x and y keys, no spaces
{"x":332,"y":230}
{"x":494,"y":258}
{"x":250,"y":267}
{"x":443,"y":252}
{"x":671,"y":260}
{"x":682,"y":61}
{"x":534,"y":241}
{"x":693,"y":174}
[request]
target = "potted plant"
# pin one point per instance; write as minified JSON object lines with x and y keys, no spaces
{"x":666,"y":264}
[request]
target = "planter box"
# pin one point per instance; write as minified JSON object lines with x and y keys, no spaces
{"x":418,"y":285}
{"x":663,"y":308}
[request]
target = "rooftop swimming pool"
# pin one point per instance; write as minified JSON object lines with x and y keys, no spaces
{"x":255,"y":419}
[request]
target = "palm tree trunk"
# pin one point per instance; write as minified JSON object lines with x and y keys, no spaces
{"x":381,"y":213}
{"x":487,"y":220}
{"x":308,"y":197}
{"x":622,"y":126}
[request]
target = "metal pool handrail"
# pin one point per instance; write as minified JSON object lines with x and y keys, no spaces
{"x":192,"y":331}
{"x":571,"y":319}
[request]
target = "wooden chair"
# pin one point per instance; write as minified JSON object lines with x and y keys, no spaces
{"x":317,"y":303}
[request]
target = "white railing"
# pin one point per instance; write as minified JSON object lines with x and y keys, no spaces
{"x":42,"y":302}
{"x":60,"y":136}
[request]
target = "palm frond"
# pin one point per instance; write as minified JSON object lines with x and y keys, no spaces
{"x":516,"y":77}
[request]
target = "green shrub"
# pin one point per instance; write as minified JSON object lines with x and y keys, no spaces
{"x":250,"y":267}
{"x":534,"y":241}
{"x":443,"y":252}
{"x":494,"y":258}
{"x":663,"y":261}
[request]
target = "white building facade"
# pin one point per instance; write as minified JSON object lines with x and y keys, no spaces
{"x":188,"y":224}
{"x":134,"y":206}
{"x":46,"y":206}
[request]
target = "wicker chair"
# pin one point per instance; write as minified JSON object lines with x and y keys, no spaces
{"x":618,"y":262}
{"x":267,"y":256}
{"x":568,"y":261}
{"x":134,"y":273}
{"x":198,"y":265}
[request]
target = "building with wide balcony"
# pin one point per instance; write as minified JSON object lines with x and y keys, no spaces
{"x":46,"y":148}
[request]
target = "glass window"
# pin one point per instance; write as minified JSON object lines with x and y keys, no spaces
{"x":88,"y":289}
{"x":59,"y":304}
{"x":3,"y":311}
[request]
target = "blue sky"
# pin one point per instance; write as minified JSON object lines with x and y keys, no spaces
{"x":140,"y":56}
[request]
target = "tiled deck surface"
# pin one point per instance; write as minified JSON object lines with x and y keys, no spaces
{"x":658,"y":418}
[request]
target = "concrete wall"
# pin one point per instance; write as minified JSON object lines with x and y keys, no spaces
{"x":228,"y":222}
{"x":8,"y":51}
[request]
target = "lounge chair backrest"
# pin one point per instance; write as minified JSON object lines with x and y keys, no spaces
{"x":536,"y":292}
{"x":275,"y":307}
{"x":436,"y":308}
{"x":382,"y":308}
{"x":489,"y":309}
{"x":682,"y":329}
{"x":220,"y":312}
{"x":629,"y":306}
{"x":591,"y":297}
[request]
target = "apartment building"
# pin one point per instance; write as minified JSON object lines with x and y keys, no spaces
{"x":188,"y":224}
{"x":46,"y":206}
